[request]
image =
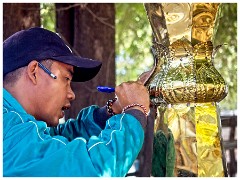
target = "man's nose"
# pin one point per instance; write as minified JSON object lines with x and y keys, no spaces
{"x":71,"y":94}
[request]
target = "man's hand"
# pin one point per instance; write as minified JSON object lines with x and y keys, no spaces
{"x":144,"y":77}
{"x":131,"y":92}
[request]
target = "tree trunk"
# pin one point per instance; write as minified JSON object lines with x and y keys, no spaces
{"x":65,"y":21}
{"x":91,"y":35}
{"x":18,"y":16}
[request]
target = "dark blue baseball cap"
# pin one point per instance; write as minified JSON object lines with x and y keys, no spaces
{"x":41,"y":44}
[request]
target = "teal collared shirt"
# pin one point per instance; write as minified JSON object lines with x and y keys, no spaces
{"x":78,"y":147}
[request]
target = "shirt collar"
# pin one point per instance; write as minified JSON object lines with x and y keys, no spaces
{"x":9,"y":100}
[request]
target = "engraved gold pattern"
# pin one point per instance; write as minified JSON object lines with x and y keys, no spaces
{"x":185,"y":86}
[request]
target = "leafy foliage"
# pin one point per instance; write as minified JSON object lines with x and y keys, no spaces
{"x":133,"y":42}
{"x":48,"y":19}
{"x":226,"y":59}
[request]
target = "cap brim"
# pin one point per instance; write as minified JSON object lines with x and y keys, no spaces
{"x":84,"y":68}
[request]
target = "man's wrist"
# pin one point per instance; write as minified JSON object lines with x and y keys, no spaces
{"x":109,"y":107}
{"x":136,"y":106}
{"x":116,"y":108}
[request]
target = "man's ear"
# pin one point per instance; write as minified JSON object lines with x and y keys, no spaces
{"x":32,"y":71}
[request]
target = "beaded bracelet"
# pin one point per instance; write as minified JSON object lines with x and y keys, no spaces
{"x":135,"y":104}
{"x":109,"y":106}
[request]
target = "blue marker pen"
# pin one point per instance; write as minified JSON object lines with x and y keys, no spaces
{"x":105,"y":89}
{"x":47,"y":71}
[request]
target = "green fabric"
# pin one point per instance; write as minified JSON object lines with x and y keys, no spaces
{"x":163,"y":160}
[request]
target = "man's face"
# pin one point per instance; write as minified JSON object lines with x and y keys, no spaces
{"x":56,"y":94}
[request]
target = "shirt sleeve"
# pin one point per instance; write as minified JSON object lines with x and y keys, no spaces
{"x":29,"y":149}
{"x":90,"y":121}
{"x":83,"y":126}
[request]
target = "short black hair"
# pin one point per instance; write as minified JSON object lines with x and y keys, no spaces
{"x":12,"y":77}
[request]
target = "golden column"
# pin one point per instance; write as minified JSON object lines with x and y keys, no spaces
{"x":185,"y":87}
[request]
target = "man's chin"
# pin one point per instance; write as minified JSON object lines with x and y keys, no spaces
{"x":53,"y":123}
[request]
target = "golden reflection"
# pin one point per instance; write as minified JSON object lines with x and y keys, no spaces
{"x":187,"y":74}
{"x":185,"y":86}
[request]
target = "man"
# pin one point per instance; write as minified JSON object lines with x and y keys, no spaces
{"x":38,"y":69}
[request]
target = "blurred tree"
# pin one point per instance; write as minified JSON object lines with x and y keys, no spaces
{"x":65,"y":12}
{"x":89,"y":30}
{"x":226,"y":59}
{"x":133,"y":41}
{"x":48,"y":16}
{"x":18,"y":16}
